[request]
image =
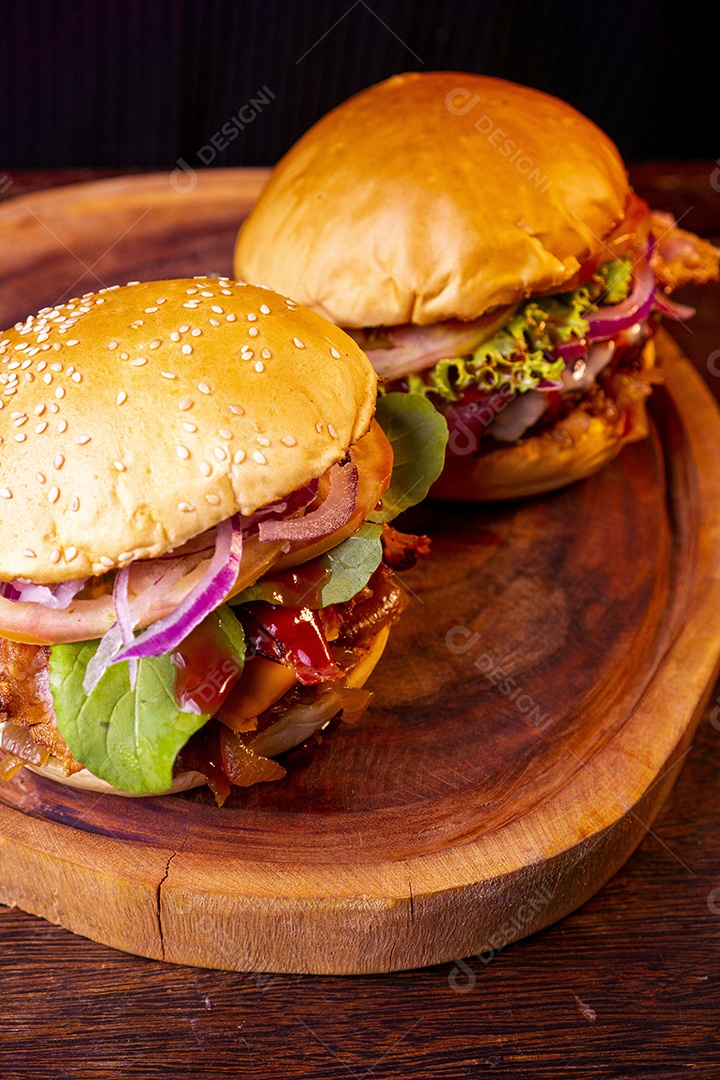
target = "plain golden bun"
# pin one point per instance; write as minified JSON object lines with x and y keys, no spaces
{"x":136,"y":418}
{"x":270,"y":740}
{"x":574,"y":448}
{"x":434,"y":196}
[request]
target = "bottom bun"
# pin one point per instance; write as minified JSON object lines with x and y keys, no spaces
{"x":291,"y":729}
{"x":574,"y":448}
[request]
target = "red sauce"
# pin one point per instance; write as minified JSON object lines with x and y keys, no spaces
{"x":291,"y":635}
{"x":207,"y":670}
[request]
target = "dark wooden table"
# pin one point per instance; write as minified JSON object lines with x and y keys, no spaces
{"x":627,"y":987}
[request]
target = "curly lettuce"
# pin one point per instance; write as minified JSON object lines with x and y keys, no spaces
{"x":520,"y":356}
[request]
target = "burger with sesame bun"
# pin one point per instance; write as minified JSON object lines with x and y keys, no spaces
{"x":193,"y":521}
{"x":481,"y":242}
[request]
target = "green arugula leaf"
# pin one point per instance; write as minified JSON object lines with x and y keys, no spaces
{"x":129,"y":736}
{"x":418,"y":434}
{"x":350,"y":567}
{"x":352,"y":563}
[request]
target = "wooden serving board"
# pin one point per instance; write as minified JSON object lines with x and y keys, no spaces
{"x":531,"y":712}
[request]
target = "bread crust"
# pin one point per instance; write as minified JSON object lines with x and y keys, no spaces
{"x":434,"y":196}
{"x":139,"y":417}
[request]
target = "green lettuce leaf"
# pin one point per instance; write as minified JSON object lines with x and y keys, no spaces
{"x":418,"y":435}
{"x":519,"y":355}
{"x":129,"y":736}
{"x":349,"y":566}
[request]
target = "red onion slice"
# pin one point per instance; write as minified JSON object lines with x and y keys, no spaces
{"x":671,"y":307}
{"x":609,"y":321}
{"x":167,"y":633}
{"x":58,"y":597}
{"x":331,"y":515}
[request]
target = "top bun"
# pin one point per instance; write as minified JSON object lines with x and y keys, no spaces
{"x":434,"y":196}
{"x":135,"y":418}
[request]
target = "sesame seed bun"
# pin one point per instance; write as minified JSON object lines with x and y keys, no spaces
{"x":434,"y":196}
{"x":136,"y":418}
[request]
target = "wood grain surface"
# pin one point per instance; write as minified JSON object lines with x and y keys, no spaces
{"x":625,"y":987}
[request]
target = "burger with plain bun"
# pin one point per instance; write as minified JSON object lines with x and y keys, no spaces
{"x":192,"y":513}
{"x":480,"y":241}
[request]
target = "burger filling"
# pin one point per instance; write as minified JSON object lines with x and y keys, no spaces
{"x":517,"y":371}
{"x":232,"y":649}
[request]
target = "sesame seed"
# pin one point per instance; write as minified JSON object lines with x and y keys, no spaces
{"x":182,"y":451}
{"x":265,"y":309}
{"x":139,"y":361}
{"x":11,"y":390}
{"x":174,"y":336}
{"x":298,"y":343}
{"x":205,"y":468}
{"x":216,"y":308}
{"x":133,"y":283}
{"x":185,"y":507}
{"x":196,"y":332}
{"x":263,"y":440}
{"x":253,"y":331}
{"x":72,"y":341}
{"x":184,"y":328}
{"x":168,"y":375}
{"x":53,"y":407}
{"x":29,"y":553}
{"x":191,"y":305}
{"x":76,"y":376}
{"x":237,"y":409}
{"x":187,"y":349}
{"x":207,"y":294}
{"x":185,"y":404}
{"x":40,"y":477}
{"x":70,"y":552}
{"x":119,"y":466}
{"x":82,"y":440}
{"x":230,"y":318}
{"x":106,"y":561}
{"x":155,"y":344}
{"x":214,"y":322}
{"x":58,"y":461}
{"x":318,"y":427}
{"x":137,"y":324}
{"x":20,"y":437}
{"x":266,"y":354}
{"x":40,"y":427}
{"x":252,"y":317}
{"x":20,"y":421}
{"x":189,"y":427}
{"x":260,"y":458}
{"x":191,"y":292}
{"x":75,"y":505}
{"x":55,"y":555}
{"x":5,"y":493}
{"x":57,"y":345}
{"x":332,"y":431}
{"x":335,"y":353}
{"x":220,"y":454}
{"x":122,"y":396}
{"x":60,"y":392}
{"x":212,"y":499}
{"x":47,"y":378}
{"x":62,"y":426}
{"x":148,"y":311}
{"x":239,"y":457}
{"x":53,"y":494}
{"x":259,"y":366}
{"x":43,"y":336}
{"x":204,"y":388}
{"x":288,"y":440}
{"x":126,"y":556}
{"x":225,"y":433}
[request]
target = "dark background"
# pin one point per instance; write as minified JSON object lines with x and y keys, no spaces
{"x":122,"y":83}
